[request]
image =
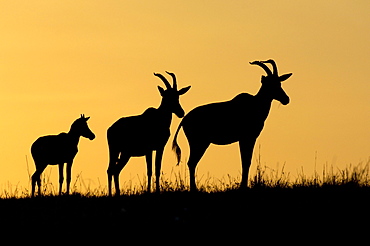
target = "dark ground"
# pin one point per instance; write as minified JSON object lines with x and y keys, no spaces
{"x":290,"y":216}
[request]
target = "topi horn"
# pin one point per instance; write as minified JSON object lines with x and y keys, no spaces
{"x":165,"y":81}
{"x":261,"y":64}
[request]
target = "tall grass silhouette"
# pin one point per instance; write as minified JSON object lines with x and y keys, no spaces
{"x":264,"y":177}
{"x":356,"y":176}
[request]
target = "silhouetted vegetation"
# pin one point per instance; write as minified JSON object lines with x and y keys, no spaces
{"x":275,"y":206}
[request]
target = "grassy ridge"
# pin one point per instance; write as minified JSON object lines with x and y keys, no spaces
{"x":336,"y":204}
{"x":300,"y":211}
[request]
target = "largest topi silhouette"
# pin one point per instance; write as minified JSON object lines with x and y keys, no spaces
{"x":140,"y":135}
{"x":238,"y":120}
{"x":57,"y":150}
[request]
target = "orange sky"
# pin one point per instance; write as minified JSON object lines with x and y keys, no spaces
{"x":59,"y":59}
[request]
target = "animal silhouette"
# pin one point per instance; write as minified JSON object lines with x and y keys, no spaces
{"x":140,"y":135}
{"x":238,"y":120}
{"x":57,"y":150}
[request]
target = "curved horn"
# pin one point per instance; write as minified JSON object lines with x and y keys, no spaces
{"x":165,"y":81}
{"x":173,"y":79}
{"x":274,"y":67}
{"x":261,"y":64}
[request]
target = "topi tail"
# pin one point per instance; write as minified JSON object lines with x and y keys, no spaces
{"x":175,"y":146}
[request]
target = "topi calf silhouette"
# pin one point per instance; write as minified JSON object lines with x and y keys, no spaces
{"x":57,"y":150}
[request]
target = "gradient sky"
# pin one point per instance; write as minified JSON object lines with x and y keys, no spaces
{"x":60,"y":59}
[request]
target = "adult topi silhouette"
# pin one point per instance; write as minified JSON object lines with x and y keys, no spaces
{"x":238,"y":120}
{"x":140,"y":135}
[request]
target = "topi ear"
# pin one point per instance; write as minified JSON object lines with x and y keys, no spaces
{"x":85,"y":118}
{"x":263,"y":77}
{"x":285,"y":77}
{"x":161,"y":90}
{"x":184,"y":90}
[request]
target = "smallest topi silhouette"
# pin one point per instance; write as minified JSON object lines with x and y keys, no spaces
{"x":57,"y":150}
